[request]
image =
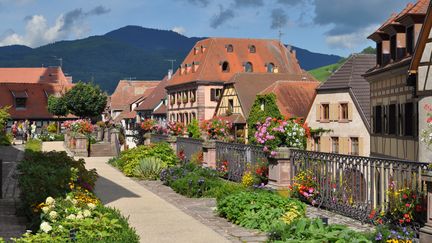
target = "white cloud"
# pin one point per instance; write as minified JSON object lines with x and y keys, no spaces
{"x":179,"y":29}
{"x":352,"y":40}
{"x":38,"y":32}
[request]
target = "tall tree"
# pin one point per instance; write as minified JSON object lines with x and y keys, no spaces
{"x":58,"y":107}
{"x":86,"y":100}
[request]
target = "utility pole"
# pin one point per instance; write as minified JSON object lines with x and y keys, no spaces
{"x":60,"y":60}
{"x":172,"y":63}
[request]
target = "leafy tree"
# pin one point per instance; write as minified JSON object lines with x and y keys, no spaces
{"x":369,"y":50}
{"x":4,"y":117}
{"x":263,"y":107}
{"x":57,"y":106}
{"x":86,"y":100}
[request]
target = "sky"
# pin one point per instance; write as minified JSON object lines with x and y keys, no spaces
{"x":326,"y":26}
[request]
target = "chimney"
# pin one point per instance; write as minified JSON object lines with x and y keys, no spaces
{"x":170,"y":72}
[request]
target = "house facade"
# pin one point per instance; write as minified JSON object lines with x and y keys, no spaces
{"x":341,"y":109}
{"x":196,"y":87}
{"x":394,"y":103}
{"x":26,"y":91}
{"x":294,"y":94}
{"x":155,"y":104}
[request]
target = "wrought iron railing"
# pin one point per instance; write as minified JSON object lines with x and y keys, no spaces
{"x":156,"y":138}
{"x":354,"y":185}
{"x":186,"y":147}
{"x":233,"y":158}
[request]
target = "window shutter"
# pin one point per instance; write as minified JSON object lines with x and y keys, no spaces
{"x":325,"y":144}
{"x":334,"y":111}
{"x":350,"y":111}
{"x":212,"y":94}
{"x":318,"y":112}
{"x":343,"y":145}
{"x":361,"y":147}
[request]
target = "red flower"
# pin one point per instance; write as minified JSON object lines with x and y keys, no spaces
{"x":401,"y":221}
{"x":408,"y":220}
{"x":372,"y":214}
{"x":405,"y":196}
{"x":406,"y":216}
{"x":407,"y":205}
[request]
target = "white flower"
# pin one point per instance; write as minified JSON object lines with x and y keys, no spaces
{"x":91,"y":206}
{"x":86,"y":213}
{"x":79,"y":216}
{"x":50,"y":201}
{"x":71,"y":216}
{"x":69,"y":198}
{"x":45,"y":210}
{"x":45,"y":227}
{"x":53,"y":214}
{"x":74,"y":201}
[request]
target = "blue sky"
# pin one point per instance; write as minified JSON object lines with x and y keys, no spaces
{"x":326,"y":26}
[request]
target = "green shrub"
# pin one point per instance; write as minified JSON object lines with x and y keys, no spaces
{"x":52,"y":128}
{"x":195,"y":185}
{"x":193,"y":129}
{"x":34,"y":145}
{"x":46,"y":137}
{"x":149,"y":168}
{"x":50,"y":174}
{"x":225,"y":189}
{"x":258,"y":209}
{"x":313,"y":230}
{"x":5,"y":139}
{"x":130,"y":159}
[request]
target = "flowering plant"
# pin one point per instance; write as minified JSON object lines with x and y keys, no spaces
{"x":275,"y":133}
{"x":160,"y":129}
{"x":176,"y":128}
{"x":79,"y":126}
{"x":147,"y":125}
{"x":305,"y":187}
{"x":217,"y":128}
{"x":426,"y":134}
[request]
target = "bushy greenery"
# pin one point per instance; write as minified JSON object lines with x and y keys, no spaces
{"x":86,"y":100}
{"x":313,"y":230}
{"x":49,"y":174}
{"x":5,"y":139}
{"x":193,"y":129}
{"x":194,"y":181}
{"x":149,"y":168}
{"x":259,"y":115}
{"x":57,"y":106}
{"x":44,"y":137}
{"x":259,"y":209}
{"x":129,"y":160}
{"x":34,"y":145}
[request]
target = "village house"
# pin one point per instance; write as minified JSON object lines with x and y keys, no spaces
{"x":155,"y":105}
{"x":294,"y":94}
{"x":26,"y":91}
{"x":342,"y":109}
{"x":196,"y":87}
{"x":394,"y":98}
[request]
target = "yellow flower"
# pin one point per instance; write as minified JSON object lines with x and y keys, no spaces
{"x":247,"y":179}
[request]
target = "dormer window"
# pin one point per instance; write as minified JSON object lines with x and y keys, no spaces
{"x":270,"y":67}
{"x":230,"y":48}
{"x":248,"y":67}
{"x":252,"y":49}
{"x":195,"y":66}
{"x":203,"y":48}
{"x":20,"y":98}
{"x":225,"y":67}
{"x":195,"y":50}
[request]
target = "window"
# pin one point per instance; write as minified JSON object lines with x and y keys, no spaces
{"x":20,"y":103}
{"x":231,"y":105}
{"x":393,"y":47}
{"x":215,"y":94}
{"x":354,"y":146}
{"x":410,"y":40}
{"x":343,"y":111}
{"x":325,"y":112}
{"x":225,"y":67}
{"x":392,"y":121}
{"x":317,"y":144}
{"x":195,"y":50}
{"x":185,"y":97}
{"x":178,"y":98}
{"x":193,"y":96}
{"x":335,"y":145}
{"x":409,"y":119}
{"x":230,"y":48}
{"x":377,"y":119}
{"x":270,"y":68}
{"x":379,"y":53}
{"x":248,"y":67}
{"x":252,"y":49}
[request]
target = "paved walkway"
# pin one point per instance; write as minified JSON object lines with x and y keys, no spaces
{"x":154,"y":219}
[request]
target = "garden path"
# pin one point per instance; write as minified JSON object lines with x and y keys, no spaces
{"x":154,"y":219}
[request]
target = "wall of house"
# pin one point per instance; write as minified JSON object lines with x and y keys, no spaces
{"x":229,"y":93}
{"x":425,"y":152}
{"x":390,"y":88}
{"x":345,"y":130}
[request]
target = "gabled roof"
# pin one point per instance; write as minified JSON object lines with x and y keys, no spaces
{"x":422,"y":40}
{"x":39,"y":75}
{"x":294,"y":98}
{"x":127,"y":90}
{"x":248,"y":85}
{"x":349,"y":77}
{"x":215,"y":53}
{"x":152,"y":100}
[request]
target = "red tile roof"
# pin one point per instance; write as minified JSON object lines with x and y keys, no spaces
{"x":161,"y":110}
{"x":215,"y":53}
{"x":127,"y":90}
{"x":152,"y":100}
{"x":35,"y":84}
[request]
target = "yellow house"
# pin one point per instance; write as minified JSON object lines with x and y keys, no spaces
{"x":341,"y":107}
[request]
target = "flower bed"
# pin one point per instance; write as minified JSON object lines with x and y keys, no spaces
{"x":56,"y":196}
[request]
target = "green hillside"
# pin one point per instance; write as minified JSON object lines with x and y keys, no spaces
{"x":323,"y":73}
